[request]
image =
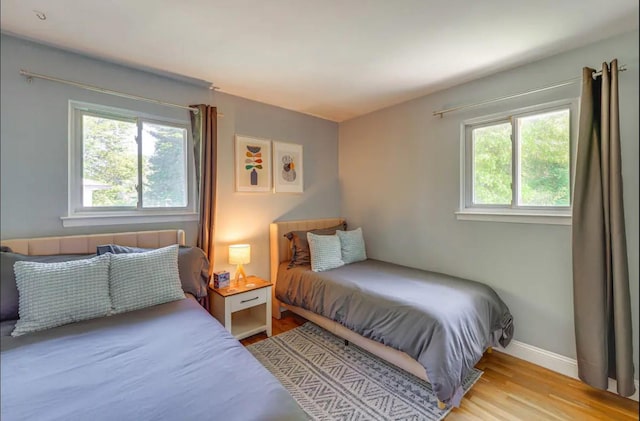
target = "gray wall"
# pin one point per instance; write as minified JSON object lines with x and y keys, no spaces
{"x":399,"y":173}
{"x":34,"y":136}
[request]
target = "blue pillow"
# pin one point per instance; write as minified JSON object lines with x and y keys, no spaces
{"x":8,"y":288}
{"x":193,"y":266}
{"x":55,"y":294}
{"x":325,"y":252}
{"x":140,"y":280}
{"x":352,"y":246}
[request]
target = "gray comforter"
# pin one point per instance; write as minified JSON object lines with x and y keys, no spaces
{"x":443,"y":322}
{"x":167,"y":362}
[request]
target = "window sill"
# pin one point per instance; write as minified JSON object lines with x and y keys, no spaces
{"x":516,"y":217}
{"x":125,"y":218}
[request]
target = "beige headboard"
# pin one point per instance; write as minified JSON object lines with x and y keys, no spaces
{"x":87,"y":243}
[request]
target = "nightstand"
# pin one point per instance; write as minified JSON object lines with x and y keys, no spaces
{"x":243,"y":309}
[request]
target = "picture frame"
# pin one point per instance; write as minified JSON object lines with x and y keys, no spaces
{"x":252,"y":164}
{"x":288,"y":168}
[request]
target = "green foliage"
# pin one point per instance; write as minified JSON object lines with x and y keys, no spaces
{"x":544,"y":161}
{"x":110,"y":158}
{"x":165,"y":172}
{"x":492,"y":165}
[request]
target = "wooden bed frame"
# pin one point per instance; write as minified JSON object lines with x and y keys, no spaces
{"x":280,"y":251}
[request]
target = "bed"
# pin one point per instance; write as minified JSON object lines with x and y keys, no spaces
{"x":432,"y":325}
{"x":168,"y":361}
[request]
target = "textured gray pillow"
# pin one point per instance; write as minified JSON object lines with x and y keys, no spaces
{"x":325,"y":252}
{"x":352,"y":246}
{"x":300,"y":254}
{"x":193,"y":266}
{"x":55,"y":294}
{"x":8,"y":288}
{"x":139,"y":280}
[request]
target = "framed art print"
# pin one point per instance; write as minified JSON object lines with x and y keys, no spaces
{"x":253,"y":164}
{"x":287,"y":168}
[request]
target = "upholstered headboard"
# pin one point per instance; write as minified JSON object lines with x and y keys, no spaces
{"x":280,"y":249}
{"x":87,"y":243}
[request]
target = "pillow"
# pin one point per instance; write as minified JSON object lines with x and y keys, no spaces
{"x":352,"y":246}
{"x":116,"y":249}
{"x":139,"y":280}
{"x":8,"y":288}
{"x":55,"y":294}
{"x":6,"y":327}
{"x":325,"y":252}
{"x":300,"y":255}
{"x":193,"y":266}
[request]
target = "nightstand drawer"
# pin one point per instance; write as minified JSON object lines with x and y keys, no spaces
{"x":248,"y":299}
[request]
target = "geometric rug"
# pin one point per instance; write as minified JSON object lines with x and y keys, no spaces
{"x":334,"y":381}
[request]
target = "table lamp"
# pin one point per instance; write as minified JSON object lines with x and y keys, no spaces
{"x":239,"y":254}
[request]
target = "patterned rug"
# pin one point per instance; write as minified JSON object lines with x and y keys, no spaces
{"x":331,"y":381}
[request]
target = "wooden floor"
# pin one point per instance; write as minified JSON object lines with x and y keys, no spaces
{"x":513,"y":389}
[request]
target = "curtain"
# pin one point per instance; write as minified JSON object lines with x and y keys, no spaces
{"x":602,"y":304}
{"x":205,"y":139}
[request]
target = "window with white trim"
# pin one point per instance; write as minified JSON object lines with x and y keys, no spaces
{"x":519,"y":163}
{"x":124,"y":163}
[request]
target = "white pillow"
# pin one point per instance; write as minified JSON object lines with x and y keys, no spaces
{"x":352,"y":245}
{"x":55,"y":294}
{"x":325,"y":252}
{"x":139,"y":280}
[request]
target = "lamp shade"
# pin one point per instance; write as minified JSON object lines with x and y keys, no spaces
{"x":239,"y":254}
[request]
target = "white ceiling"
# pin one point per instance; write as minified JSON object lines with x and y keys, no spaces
{"x":336,"y":59}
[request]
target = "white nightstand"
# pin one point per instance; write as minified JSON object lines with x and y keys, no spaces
{"x":244,"y":309}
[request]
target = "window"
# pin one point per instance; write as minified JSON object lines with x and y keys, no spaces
{"x":519,"y":164}
{"x":125,"y":165}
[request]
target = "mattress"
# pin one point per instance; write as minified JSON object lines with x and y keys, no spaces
{"x":443,"y":322}
{"x":172,"y":361}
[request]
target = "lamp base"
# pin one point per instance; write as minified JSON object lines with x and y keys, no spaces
{"x":239,"y":274}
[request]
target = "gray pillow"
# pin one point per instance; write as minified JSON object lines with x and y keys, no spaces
{"x":8,"y":288}
{"x":352,"y":246}
{"x":325,"y":252}
{"x":140,"y":280}
{"x":193,"y":266}
{"x":300,"y":254}
{"x":55,"y":294}
{"x":7,"y":326}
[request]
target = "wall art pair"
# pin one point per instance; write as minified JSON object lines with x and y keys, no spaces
{"x":258,"y":165}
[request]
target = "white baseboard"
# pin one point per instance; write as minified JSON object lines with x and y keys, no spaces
{"x":552,"y":361}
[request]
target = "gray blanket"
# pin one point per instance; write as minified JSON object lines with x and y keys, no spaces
{"x":443,"y":322}
{"x":168,"y":362}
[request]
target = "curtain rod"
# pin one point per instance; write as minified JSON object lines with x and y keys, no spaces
{"x":571,"y":81}
{"x":30,"y":76}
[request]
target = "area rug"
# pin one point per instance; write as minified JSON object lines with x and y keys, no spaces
{"x":334,"y":381}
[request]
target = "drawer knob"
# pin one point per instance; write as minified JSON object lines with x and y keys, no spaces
{"x":250,"y":299}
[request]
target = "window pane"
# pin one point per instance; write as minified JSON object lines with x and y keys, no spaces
{"x":109,"y":162}
{"x":492,"y":165}
{"x":545,"y":159}
{"x":164,"y":169}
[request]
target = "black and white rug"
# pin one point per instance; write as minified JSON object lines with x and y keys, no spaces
{"x":331,"y":381}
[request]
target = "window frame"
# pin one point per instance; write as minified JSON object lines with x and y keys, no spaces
{"x":513,"y":212}
{"x":80,"y":215}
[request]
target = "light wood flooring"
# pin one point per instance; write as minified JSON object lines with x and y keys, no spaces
{"x":513,"y":389}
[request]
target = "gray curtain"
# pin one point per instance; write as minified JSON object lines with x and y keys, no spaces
{"x":204,"y":128}
{"x":602,"y":305}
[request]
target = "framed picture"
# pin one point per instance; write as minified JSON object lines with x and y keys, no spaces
{"x":253,"y":164}
{"x":287,"y":168}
